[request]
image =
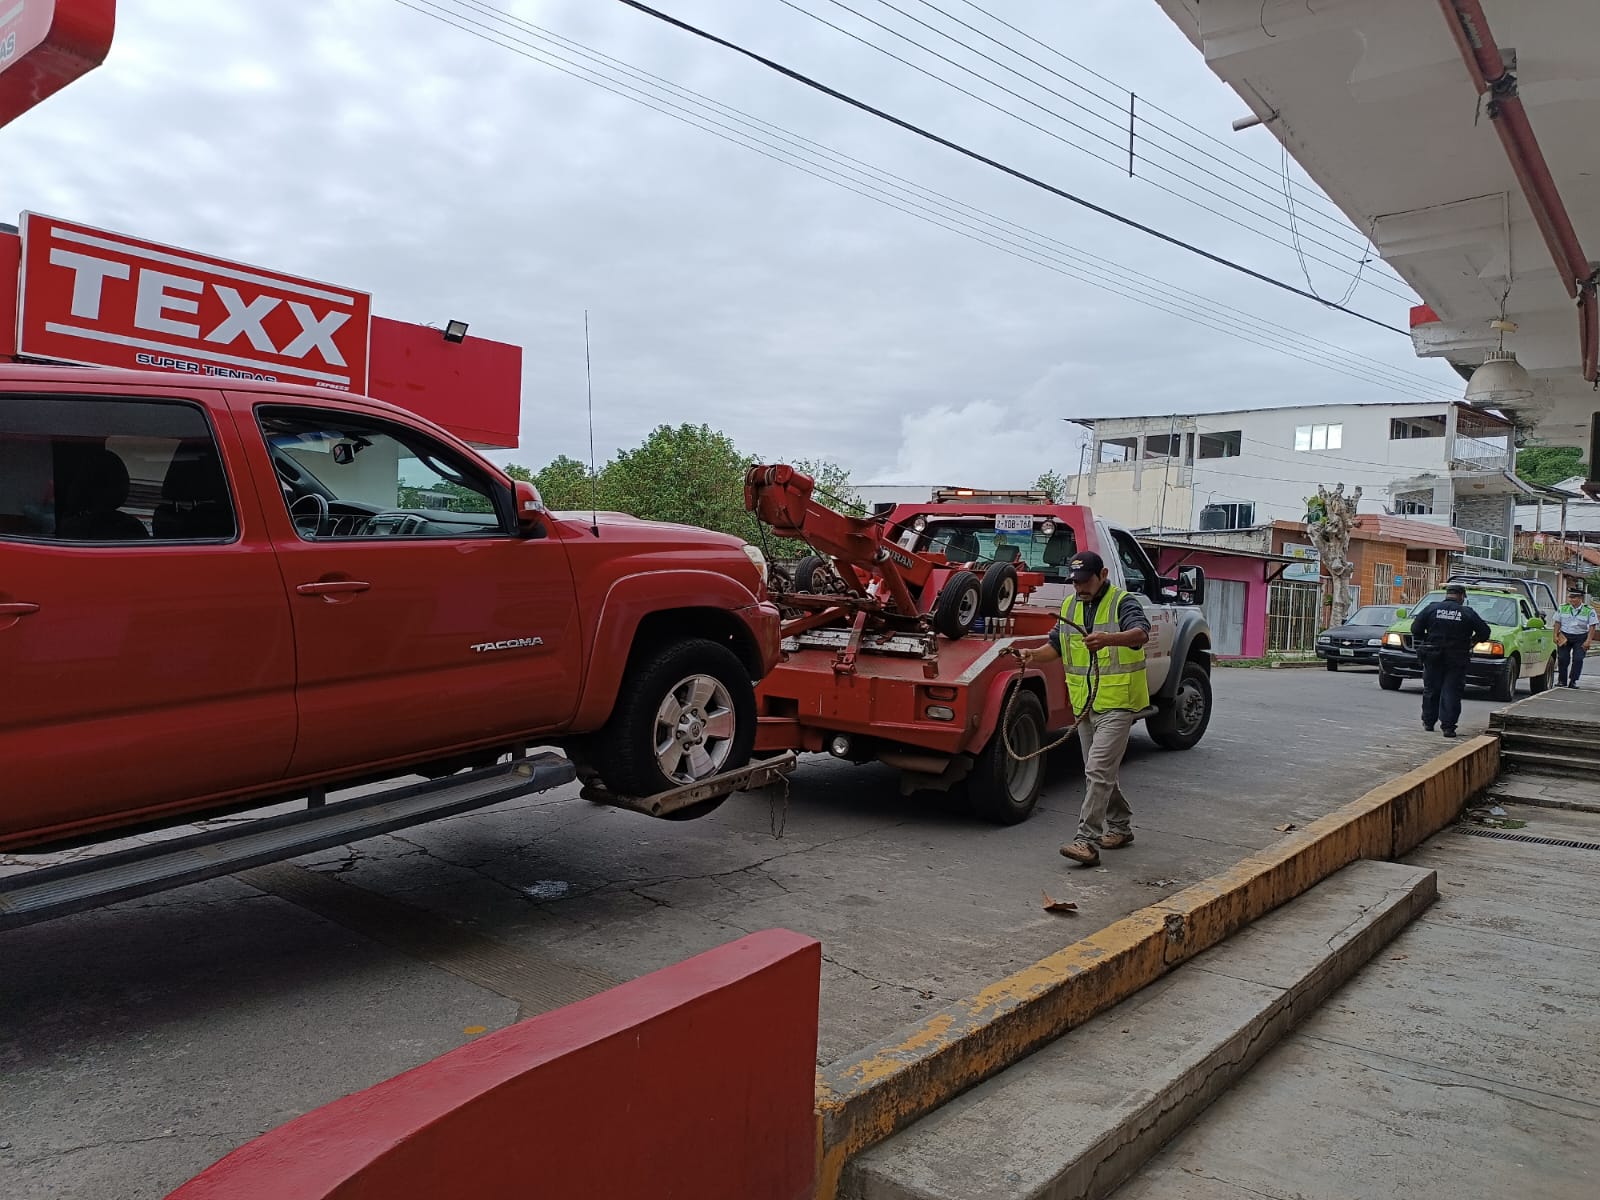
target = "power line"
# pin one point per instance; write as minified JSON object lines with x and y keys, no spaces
{"x":1018,"y":117}
{"x":967,"y":152}
{"x":1262,"y":334}
{"x":1297,"y":339}
{"x":1340,"y":232}
{"x":1230,"y":147}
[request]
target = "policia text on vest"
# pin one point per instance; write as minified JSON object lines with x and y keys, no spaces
{"x":1100,"y":641}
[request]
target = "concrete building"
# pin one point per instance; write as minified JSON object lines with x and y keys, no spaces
{"x":1440,"y":464}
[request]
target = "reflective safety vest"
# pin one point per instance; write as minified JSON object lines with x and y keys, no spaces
{"x":1122,"y":679}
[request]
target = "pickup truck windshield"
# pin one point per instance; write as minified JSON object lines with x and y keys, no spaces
{"x":979,"y":541}
{"x":1497,"y":610}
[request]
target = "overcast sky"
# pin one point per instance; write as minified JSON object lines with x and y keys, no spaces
{"x":364,"y":143}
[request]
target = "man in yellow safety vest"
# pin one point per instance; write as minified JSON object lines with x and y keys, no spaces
{"x":1100,"y":639}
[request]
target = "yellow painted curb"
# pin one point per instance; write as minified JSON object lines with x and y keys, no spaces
{"x":864,"y":1099}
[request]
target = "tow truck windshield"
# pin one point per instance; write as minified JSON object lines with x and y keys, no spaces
{"x":977,"y":540}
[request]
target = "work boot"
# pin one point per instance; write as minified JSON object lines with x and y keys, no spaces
{"x":1428,"y":728}
{"x":1449,"y":733}
{"x":1116,"y":841}
{"x":1085,"y":854}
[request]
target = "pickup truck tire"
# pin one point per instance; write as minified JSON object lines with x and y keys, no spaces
{"x":1504,"y":686}
{"x":1387,"y":680}
{"x":1181,"y":724}
{"x":998,"y":592}
{"x":960,"y":602}
{"x":1002,"y":789}
{"x":686,"y":711}
{"x":1542,"y":681}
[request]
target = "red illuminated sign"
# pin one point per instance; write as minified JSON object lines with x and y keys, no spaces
{"x":46,"y":44}
{"x":88,"y":296}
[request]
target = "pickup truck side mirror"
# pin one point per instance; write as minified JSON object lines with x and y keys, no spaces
{"x":1192,"y":586}
{"x":531,"y":511}
{"x":1400,"y":614}
{"x":1535,"y":623}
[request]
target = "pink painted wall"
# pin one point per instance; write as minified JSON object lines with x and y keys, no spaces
{"x":1252,"y":572}
{"x":695,"y":1081}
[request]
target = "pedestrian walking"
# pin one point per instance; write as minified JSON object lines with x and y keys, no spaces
{"x":1444,"y":633}
{"x":1100,"y":639}
{"x":1576,"y":623}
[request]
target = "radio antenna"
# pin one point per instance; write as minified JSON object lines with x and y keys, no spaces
{"x":594,"y":478}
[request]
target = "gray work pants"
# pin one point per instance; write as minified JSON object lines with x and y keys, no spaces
{"x":1104,"y":737}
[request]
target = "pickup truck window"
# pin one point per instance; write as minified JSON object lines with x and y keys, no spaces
{"x":1137,"y":572}
{"x":968,"y":540}
{"x":93,"y":470}
{"x":347,"y":476}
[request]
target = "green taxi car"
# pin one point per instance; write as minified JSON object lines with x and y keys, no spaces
{"x":1520,"y":645}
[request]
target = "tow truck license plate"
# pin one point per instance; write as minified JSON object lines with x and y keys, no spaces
{"x":1013,"y":523}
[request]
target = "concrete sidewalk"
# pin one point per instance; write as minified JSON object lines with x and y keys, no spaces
{"x":1461,"y":1064}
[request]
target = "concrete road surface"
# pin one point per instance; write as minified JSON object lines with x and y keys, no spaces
{"x":140,"y":1043}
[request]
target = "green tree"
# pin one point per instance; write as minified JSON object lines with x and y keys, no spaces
{"x":1549,"y":464}
{"x":690,"y":474}
{"x":518,"y":472}
{"x":1053,"y":483}
{"x":566,"y":486}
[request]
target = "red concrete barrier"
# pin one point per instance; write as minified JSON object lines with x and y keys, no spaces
{"x":696,"y":1082}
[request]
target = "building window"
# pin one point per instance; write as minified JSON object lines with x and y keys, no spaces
{"x":1164,"y":445}
{"x":1319,"y":437}
{"x":1220,"y":445}
{"x":1119,"y":450}
{"x":1404,"y":428}
{"x":1229,"y":515}
{"x":1413,"y":504}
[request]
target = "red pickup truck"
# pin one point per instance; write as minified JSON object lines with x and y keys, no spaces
{"x":218,"y":593}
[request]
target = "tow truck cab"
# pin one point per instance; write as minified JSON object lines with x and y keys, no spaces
{"x":1037,"y":535}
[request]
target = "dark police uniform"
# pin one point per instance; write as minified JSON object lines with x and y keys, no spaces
{"x":1444,"y":633}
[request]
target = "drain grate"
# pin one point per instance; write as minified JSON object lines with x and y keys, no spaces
{"x":1506,"y":836}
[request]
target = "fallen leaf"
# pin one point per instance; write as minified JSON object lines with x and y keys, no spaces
{"x":1397,"y":957}
{"x":1058,"y":906}
{"x":474,"y":1030}
{"x":1286,"y":827}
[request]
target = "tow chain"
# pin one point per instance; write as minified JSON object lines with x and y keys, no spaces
{"x":1016,"y":691}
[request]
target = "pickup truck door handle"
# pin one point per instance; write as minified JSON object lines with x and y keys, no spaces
{"x":18,"y":608}
{"x":332,"y":587}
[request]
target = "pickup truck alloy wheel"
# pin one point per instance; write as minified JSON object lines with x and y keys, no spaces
{"x":694,"y":729}
{"x":685,"y":710}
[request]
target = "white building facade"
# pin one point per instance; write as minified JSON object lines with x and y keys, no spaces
{"x":1447,"y":464}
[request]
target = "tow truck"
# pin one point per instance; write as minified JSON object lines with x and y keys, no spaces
{"x":897,"y":632}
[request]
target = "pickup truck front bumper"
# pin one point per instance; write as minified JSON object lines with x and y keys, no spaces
{"x":1482,"y":669}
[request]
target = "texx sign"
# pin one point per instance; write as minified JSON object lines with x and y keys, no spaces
{"x":88,"y":296}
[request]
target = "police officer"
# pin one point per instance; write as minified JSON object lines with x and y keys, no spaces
{"x":1444,"y":633}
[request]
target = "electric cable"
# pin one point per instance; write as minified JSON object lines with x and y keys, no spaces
{"x":1289,"y":341}
{"x":1057,"y":137}
{"x":1340,"y":231}
{"x":976,"y":156}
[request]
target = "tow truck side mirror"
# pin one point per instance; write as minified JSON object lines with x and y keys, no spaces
{"x":531,"y":511}
{"x":1190,"y":586}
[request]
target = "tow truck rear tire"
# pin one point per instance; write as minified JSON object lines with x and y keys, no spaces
{"x":959,"y":605}
{"x":1001,"y":789}
{"x":998,"y":591}
{"x":629,"y":751}
{"x":1182,"y":724}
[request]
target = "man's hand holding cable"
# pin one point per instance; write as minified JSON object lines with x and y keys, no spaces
{"x":1098,"y":640}
{"x":1037,"y":656}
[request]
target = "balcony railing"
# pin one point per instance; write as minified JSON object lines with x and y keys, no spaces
{"x":1486,"y":545}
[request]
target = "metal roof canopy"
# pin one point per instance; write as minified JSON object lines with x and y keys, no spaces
{"x":1374,"y":100}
